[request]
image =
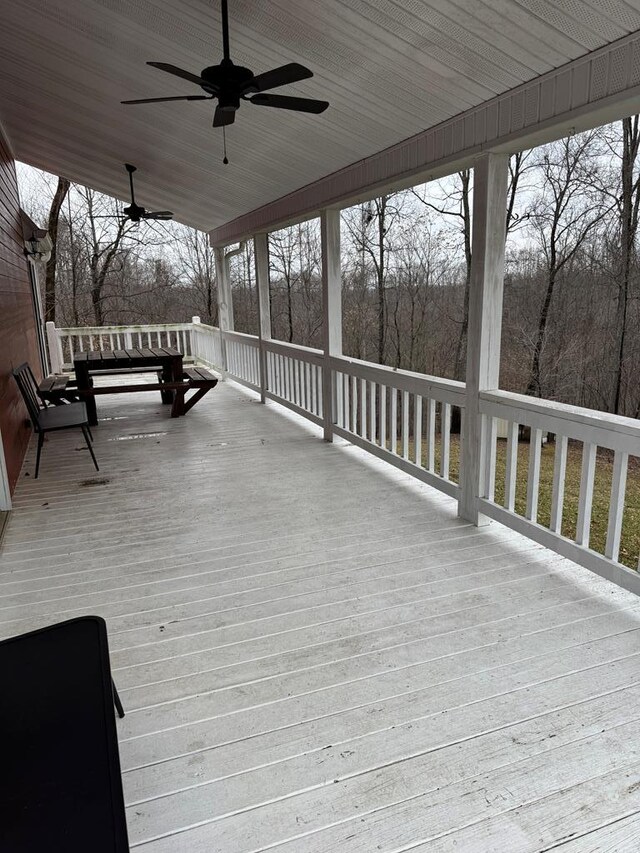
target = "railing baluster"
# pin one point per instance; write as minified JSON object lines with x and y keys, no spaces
{"x":91,"y":343}
{"x":363,"y":408}
{"x":445,"y":426}
{"x":559,"y":474}
{"x":491,"y":432}
{"x":383,"y":416}
{"x":284,"y":382}
{"x":585,"y":499}
{"x":616,"y":504}
{"x":354,"y":404}
{"x":80,"y":343}
{"x":431,"y":435}
{"x":372,"y":411}
{"x":511,"y":469}
{"x":393,"y":426}
{"x":417,"y":430}
{"x":319,"y":400}
{"x":405,"y":424}
{"x":533,"y":476}
{"x":346,"y":402}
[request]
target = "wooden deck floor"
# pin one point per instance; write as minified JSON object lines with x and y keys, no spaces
{"x":316,"y":655}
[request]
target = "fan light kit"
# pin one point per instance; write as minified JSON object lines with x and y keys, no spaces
{"x":230,"y":84}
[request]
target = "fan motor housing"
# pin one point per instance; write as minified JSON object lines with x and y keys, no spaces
{"x":134,"y":212}
{"x":226,"y":78}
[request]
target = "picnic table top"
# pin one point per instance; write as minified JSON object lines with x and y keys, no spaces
{"x":134,"y":357}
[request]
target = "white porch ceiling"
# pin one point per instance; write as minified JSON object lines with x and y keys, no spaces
{"x":390,"y":69}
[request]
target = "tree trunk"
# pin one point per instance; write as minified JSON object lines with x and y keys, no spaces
{"x":459,"y":367}
{"x":628,"y":229}
{"x":50,"y":271}
{"x":534,"y":386}
{"x":381,"y":205}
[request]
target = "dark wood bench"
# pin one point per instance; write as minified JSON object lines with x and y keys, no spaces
{"x":58,"y":389}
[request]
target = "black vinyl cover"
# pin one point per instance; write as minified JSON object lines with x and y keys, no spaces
{"x":60,"y":782}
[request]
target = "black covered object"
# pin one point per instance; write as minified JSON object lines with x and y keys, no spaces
{"x":60,"y":782}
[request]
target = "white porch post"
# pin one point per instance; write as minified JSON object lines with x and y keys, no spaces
{"x":261,"y":251}
{"x":55,"y":348}
{"x":225,"y":306}
{"x":485,"y":322}
{"x":331,"y":309}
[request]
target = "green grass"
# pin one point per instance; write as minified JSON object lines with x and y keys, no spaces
{"x":630,"y":541}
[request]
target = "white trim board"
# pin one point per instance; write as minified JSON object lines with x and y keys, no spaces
{"x":590,"y":91}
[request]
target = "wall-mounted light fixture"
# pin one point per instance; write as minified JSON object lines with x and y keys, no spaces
{"x":38,"y":245}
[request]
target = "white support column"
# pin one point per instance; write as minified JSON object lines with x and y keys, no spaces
{"x":261,"y":251}
{"x":485,"y":322}
{"x":225,"y":308}
{"x":331,"y":309}
{"x":55,"y":348}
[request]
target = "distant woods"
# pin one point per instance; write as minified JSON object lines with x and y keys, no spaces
{"x":572,"y":285}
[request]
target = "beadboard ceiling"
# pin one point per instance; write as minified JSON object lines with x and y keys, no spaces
{"x":390,"y":69}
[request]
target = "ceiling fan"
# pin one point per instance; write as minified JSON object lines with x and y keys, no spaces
{"x":134,"y":212}
{"x":231,"y":83}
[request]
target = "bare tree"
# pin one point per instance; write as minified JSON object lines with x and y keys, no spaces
{"x":50,"y":271}
{"x":197,"y":262}
{"x":623,"y":143}
{"x":566,"y":211}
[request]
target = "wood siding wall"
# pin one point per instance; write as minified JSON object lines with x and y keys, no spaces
{"x":18,"y":341}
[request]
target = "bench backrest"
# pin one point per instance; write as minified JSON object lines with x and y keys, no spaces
{"x":29,"y":390}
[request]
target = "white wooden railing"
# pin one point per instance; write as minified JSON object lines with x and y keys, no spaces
{"x":206,"y":344}
{"x":619,"y":437}
{"x":242,"y":353}
{"x":293,"y":377}
{"x":400,"y":416}
{"x":405,"y":418}
{"x":65,"y":343}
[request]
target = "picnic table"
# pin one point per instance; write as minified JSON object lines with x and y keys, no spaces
{"x":166,"y":360}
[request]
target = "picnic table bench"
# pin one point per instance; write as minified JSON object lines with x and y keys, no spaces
{"x":174,"y":381}
{"x":58,"y":389}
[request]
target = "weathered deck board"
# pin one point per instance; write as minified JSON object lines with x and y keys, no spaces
{"x":315,"y":654}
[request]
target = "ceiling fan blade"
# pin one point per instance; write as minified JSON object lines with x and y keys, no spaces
{"x":179,"y":98}
{"x":223,"y":117}
{"x":290,"y":73}
{"x":159,"y":214}
{"x":177,"y":72}
{"x":283,"y":102}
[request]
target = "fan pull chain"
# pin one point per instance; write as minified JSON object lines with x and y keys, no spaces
{"x":224,"y":146}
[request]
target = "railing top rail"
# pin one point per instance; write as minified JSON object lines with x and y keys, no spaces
{"x":614,"y":425}
{"x":204,"y":326}
{"x":286,"y":348}
{"x":105,"y":330}
{"x":448,"y":390}
{"x":250,"y":340}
